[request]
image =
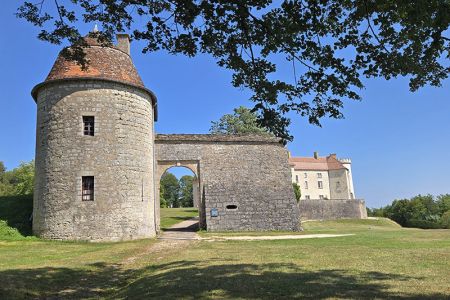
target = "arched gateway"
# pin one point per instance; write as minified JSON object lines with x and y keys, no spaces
{"x":98,"y":161}
{"x":244,"y":181}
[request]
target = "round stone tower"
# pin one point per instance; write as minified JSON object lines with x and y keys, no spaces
{"x":95,"y":149}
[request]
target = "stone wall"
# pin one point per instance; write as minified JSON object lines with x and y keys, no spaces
{"x":317,"y":209}
{"x":248,"y":174}
{"x":120,"y":157}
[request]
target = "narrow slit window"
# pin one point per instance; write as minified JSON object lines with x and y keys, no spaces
{"x":87,"y":188}
{"x":88,"y":125}
{"x":320,"y":184}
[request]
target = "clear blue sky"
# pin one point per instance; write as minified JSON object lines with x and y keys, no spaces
{"x":399,"y":142}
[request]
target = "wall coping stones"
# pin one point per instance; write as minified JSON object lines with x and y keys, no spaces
{"x":217,"y":138}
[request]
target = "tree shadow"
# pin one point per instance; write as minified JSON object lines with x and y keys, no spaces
{"x":16,"y":211}
{"x":197,"y":280}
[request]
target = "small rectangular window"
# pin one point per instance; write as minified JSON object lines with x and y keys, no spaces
{"x":306,"y":175}
{"x":321,"y":197}
{"x":307,"y":197}
{"x":306,"y":185}
{"x":88,"y":125}
{"x":320,"y":184}
{"x":296,"y":178}
{"x":319,"y":175}
{"x":87,"y":188}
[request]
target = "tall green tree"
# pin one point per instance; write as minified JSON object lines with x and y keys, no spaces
{"x":2,"y":169}
{"x":19,"y":181}
{"x":186,"y":191}
{"x":443,"y":202}
{"x":171,"y":190}
{"x":242,"y":121}
{"x":329,"y":45}
{"x":162,"y":201}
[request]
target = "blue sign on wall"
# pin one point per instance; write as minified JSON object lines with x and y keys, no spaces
{"x":214,"y":212}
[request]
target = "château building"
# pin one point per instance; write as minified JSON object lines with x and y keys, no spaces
{"x":323,"y":177}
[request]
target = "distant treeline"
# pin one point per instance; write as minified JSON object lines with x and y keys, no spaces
{"x":427,"y":212}
{"x":18,"y":181}
{"x":176,"y":193}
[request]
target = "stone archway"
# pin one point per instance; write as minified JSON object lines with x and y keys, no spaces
{"x":194,"y":165}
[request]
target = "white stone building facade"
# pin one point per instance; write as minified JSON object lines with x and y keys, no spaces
{"x":323,"y":177}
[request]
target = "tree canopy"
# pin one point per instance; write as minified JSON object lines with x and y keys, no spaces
{"x":170,"y":189}
{"x":176,"y":193}
{"x":423,"y":211}
{"x":242,"y":121}
{"x":19,"y":181}
{"x":329,"y":45}
{"x":186,"y":191}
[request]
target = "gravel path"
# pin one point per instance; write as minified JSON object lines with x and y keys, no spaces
{"x":186,"y":230}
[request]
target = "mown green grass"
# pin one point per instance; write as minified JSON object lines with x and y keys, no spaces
{"x":381,"y":260}
{"x":172,"y":216}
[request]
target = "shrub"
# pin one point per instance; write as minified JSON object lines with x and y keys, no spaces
{"x":297,"y":191}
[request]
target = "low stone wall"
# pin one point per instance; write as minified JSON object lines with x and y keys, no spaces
{"x":323,"y":209}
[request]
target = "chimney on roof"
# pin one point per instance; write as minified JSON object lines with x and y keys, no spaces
{"x":123,"y":42}
{"x":333,"y":155}
{"x":316,"y":155}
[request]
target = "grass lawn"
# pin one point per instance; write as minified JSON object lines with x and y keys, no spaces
{"x":382,"y":260}
{"x":172,"y":216}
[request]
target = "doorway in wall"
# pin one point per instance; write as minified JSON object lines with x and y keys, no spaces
{"x":179,"y":198}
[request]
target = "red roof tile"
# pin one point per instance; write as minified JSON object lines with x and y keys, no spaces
{"x":316,"y":164}
{"x":104,"y":62}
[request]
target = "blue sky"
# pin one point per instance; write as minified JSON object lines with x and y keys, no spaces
{"x":399,"y":141}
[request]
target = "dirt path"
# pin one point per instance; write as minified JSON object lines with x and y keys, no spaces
{"x":273,"y":237}
{"x":186,"y":230}
{"x":182,"y":234}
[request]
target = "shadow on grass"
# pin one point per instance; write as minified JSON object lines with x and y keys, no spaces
{"x":191,"y":228}
{"x":196,"y":280}
{"x":16,"y":211}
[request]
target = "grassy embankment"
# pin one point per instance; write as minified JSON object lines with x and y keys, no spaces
{"x":381,"y":260}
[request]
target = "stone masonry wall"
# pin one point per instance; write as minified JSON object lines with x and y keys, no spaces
{"x":249,"y":172}
{"x":120,"y":157}
{"x":317,"y":209}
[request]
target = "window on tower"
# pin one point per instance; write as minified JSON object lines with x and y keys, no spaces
{"x":87,"y":188}
{"x":88,"y":125}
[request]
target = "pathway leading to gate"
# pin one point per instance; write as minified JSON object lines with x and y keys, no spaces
{"x":186,"y":230}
